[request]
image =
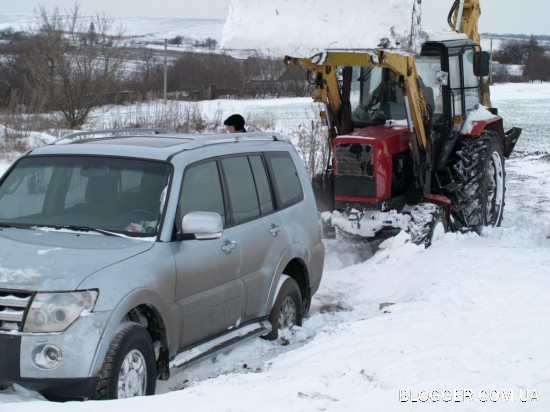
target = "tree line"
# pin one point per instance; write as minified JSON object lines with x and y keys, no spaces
{"x":533,"y":55}
{"x":70,"y":64}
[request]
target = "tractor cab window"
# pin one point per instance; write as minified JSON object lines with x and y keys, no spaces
{"x":471,"y":81}
{"x":454,"y":79}
{"x":464,"y":83}
{"x":428,"y":67}
{"x":374,"y":89}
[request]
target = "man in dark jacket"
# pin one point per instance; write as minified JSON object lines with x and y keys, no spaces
{"x":235,"y":124}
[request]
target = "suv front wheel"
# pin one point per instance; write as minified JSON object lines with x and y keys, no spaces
{"x":130,"y":368}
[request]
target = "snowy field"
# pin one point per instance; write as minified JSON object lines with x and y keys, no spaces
{"x":140,"y":29}
{"x":466,"y":331}
{"x":156,"y":29}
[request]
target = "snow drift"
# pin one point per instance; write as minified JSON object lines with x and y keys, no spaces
{"x":302,"y":29}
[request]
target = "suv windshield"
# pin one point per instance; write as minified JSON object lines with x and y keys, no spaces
{"x":110,"y":194}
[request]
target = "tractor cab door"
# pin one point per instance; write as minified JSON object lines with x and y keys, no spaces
{"x":452,"y":87}
{"x":464,"y":83}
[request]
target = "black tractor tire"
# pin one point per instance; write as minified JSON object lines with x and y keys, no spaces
{"x":132,"y":347}
{"x":428,"y":222}
{"x":323,"y":191}
{"x":479,"y":170}
{"x":5,"y":385}
{"x":287,"y":310}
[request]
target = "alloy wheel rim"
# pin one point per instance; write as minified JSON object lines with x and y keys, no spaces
{"x":132,"y":378}
{"x":287,"y":315}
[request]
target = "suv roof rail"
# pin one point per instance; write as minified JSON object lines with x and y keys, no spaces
{"x":205,"y":140}
{"x":70,"y":138}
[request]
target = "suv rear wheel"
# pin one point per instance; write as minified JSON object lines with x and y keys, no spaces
{"x":287,"y":310}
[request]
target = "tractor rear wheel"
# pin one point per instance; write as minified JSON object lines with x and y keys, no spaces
{"x":479,"y":170}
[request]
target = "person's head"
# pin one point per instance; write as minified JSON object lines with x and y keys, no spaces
{"x":234,"y":124}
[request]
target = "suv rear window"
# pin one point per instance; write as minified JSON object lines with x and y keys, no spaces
{"x":285,"y":176}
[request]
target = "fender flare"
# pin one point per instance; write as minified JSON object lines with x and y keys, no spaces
{"x":295,"y":251}
{"x":495,"y":125}
{"x":138,"y":297}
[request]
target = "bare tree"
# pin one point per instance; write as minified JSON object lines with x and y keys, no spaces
{"x":72,"y":62}
{"x":511,"y":52}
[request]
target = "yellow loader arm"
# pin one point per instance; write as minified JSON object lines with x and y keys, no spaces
{"x":464,"y":18}
{"x":327,"y":88}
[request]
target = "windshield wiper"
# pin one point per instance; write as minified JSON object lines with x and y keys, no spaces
{"x":83,"y":229}
{"x":6,"y":225}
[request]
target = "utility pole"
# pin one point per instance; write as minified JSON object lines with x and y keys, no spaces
{"x":491,"y":64}
{"x":165,"y":67}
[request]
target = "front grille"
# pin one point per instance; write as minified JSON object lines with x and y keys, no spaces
{"x":354,"y":159}
{"x":13,"y":308}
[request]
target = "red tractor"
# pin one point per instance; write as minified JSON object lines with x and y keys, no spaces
{"x":415,"y":143}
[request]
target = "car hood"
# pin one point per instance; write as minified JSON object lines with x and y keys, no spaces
{"x":36,"y":260}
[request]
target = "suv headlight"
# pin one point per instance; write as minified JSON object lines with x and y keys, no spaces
{"x":54,"y":312}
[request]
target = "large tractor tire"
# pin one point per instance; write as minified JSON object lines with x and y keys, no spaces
{"x":479,"y":171}
{"x":428,"y":223}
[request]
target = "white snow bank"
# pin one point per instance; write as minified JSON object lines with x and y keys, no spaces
{"x":302,"y":29}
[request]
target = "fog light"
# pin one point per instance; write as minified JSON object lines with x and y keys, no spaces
{"x":47,"y":356}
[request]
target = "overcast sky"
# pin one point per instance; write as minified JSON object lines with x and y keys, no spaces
{"x":498,"y":16}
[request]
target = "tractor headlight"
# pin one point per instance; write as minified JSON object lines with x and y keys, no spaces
{"x":55,"y":312}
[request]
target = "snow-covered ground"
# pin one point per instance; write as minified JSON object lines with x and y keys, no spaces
{"x":466,"y":330}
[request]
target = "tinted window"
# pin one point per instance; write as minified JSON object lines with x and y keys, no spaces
{"x":285,"y":178}
{"x":262,"y":184}
{"x":85,"y":191}
{"x":241,"y":188}
{"x":201,"y":190}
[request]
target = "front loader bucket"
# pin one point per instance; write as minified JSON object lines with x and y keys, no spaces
{"x":307,"y":27}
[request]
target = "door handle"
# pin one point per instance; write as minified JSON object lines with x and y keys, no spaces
{"x":228,"y":246}
{"x":275,"y":229}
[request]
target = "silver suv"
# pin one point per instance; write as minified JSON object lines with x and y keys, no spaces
{"x":126,"y":253}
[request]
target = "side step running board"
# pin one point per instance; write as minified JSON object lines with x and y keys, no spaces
{"x":220,"y":344}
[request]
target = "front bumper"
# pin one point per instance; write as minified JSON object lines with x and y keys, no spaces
{"x":22,"y":360}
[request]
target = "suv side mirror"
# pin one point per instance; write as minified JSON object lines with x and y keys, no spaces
{"x":481,"y":63}
{"x":202,"y":225}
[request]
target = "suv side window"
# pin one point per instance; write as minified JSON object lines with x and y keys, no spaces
{"x":262,"y":184}
{"x":287,"y":184}
{"x":248,"y":187}
{"x":201,"y":190}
